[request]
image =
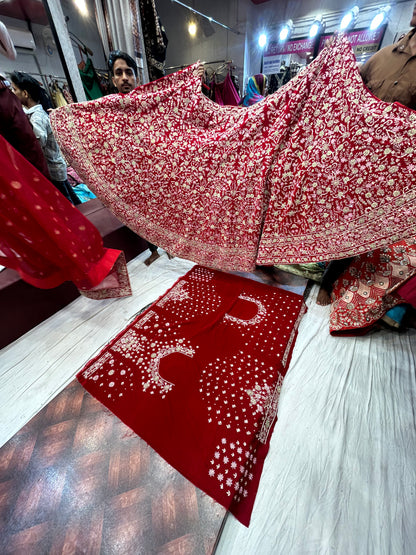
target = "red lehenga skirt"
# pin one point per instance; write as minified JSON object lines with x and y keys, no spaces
{"x":319,"y":170}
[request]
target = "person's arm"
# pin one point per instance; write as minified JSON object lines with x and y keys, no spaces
{"x":39,"y":129}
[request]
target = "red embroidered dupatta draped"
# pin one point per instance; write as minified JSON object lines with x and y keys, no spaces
{"x":198,"y":377}
{"x":319,"y":170}
{"x":47,"y":240}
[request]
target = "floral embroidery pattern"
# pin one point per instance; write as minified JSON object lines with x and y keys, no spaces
{"x":177,"y":293}
{"x":232,"y":468}
{"x":320,"y":169}
{"x":259,"y":396}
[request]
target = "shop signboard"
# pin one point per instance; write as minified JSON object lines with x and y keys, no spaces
{"x":286,"y":53}
{"x":364,"y":41}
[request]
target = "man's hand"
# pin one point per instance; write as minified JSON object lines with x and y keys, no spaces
{"x":201,"y":71}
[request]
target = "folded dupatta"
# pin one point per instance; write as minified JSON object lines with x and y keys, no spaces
{"x":319,"y":170}
{"x":47,"y":240}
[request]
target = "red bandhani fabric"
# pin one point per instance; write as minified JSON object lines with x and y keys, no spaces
{"x":319,"y":170}
{"x":47,"y":240}
{"x":198,"y":377}
{"x":370,"y":286}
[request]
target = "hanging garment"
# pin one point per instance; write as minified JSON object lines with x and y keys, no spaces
{"x":319,"y":170}
{"x":47,"y":240}
{"x":58,"y":95}
{"x":371,"y":285}
{"x":90,"y":81}
{"x":67,"y":94}
{"x":225,"y":92}
{"x":155,"y":39}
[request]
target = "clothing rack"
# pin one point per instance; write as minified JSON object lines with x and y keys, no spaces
{"x":50,"y":76}
{"x":225,"y":62}
{"x":81,"y":45}
{"x":44,"y":78}
{"x":204,"y":63}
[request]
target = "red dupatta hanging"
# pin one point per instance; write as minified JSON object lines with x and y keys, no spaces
{"x":47,"y":240}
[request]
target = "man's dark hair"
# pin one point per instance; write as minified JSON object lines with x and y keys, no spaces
{"x":26,"y":82}
{"x":115,"y":55}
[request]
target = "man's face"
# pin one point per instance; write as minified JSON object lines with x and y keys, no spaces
{"x":123,"y":78}
{"x":413,"y":20}
{"x":21,"y":95}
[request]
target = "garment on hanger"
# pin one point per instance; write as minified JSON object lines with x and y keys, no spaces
{"x":90,"y":81}
{"x":225,"y":92}
{"x":273,"y":84}
{"x":219,"y":84}
{"x":57,"y":94}
{"x":319,"y":170}
{"x":47,"y":240}
{"x":155,"y":39}
{"x":67,"y":94}
{"x":106,"y":84}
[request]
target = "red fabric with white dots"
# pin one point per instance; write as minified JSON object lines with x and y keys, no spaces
{"x":46,"y":239}
{"x":198,"y":376}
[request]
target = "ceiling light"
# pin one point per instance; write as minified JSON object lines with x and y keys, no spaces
{"x":262,"y":40}
{"x":379,"y":18}
{"x":286,"y":31}
{"x":192,"y":28}
{"x":349,"y":19}
{"x":316,"y":27}
{"x":82,"y":7}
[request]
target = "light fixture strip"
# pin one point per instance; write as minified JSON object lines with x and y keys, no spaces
{"x":210,"y":19}
{"x":302,"y":24}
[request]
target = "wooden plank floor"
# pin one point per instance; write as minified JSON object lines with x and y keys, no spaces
{"x":75,"y":479}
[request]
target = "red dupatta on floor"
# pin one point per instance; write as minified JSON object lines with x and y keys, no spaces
{"x":47,"y":240}
{"x":198,"y":377}
{"x":319,"y":170}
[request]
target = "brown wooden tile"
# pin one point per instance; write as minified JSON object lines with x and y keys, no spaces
{"x":75,"y":479}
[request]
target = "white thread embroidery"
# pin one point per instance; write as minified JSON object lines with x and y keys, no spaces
{"x":97,"y":365}
{"x":261,"y":312}
{"x":177,"y":293}
{"x":164,"y":385}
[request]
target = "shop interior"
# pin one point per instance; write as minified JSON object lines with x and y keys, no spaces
{"x":339,"y":475}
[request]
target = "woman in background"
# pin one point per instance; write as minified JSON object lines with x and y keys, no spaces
{"x":256,"y":90}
